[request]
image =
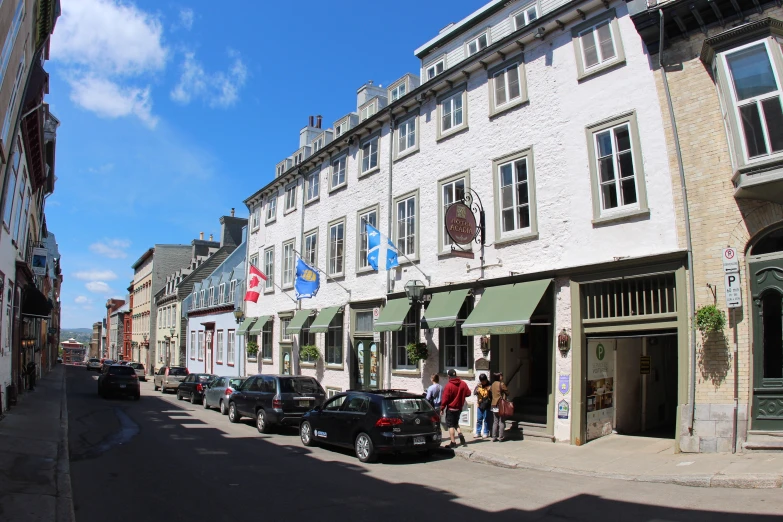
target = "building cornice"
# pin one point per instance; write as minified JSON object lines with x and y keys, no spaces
{"x":738,"y":36}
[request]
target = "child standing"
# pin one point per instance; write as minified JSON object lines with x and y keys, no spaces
{"x":483,"y":406}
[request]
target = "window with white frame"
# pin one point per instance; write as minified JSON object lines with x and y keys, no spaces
{"x":19,"y":205}
{"x":318,"y":145}
{"x":271,"y":208}
{"x":13,"y":174}
{"x":201,"y":345}
{"x":219,"y":347}
{"x":478,"y":43}
{"x":338,"y":171}
{"x":311,"y":249}
{"x":336,"y":248}
{"x":290,"y":197}
{"x":222,"y":293}
{"x":525,"y":16}
{"x":269,"y":268}
{"x":334,"y":341}
{"x":254,"y":260}
{"x":402,"y":338}
{"x":232,"y":290}
{"x":369,"y":217}
{"x":406,"y":135}
{"x":340,"y":128}
{"x":451,"y":191}
{"x":202,"y":298}
{"x":280,"y":170}
{"x":451,"y":112}
{"x":369,"y":152}
{"x":312,"y":186}
{"x":193,"y":347}
{"x":398,"y":91}
{"x":288,"y":264}
{"x":266,"y":341}
{"x":284,"y":335}
{"x":230,"y":349}
{"x":756,"y":98}
{"x":514,"y":196}
{"x":369,"y":111}
{"x":211,"y":296}
{"x":506,"y":85}
{"x":256,"y":218}
{"x":597,"y":44}
{"x":456,"y":348}
{"x":406,"y":226}
{"x":435,"y":69}
{"x":195,"y":299}
{"x":12,"y":101}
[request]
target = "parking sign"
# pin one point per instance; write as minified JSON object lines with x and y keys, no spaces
{"x":733,"y":291}
{"x":730,"y":261}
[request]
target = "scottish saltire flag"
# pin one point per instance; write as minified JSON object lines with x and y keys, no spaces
{"x":307,"y":280}
{"x":378,"y":249}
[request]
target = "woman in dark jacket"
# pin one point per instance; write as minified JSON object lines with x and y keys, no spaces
{"x":498,"y":391}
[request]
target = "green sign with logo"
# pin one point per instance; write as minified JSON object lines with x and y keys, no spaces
{"x":600,"y":351}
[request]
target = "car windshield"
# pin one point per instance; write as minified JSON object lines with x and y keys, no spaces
{"x":204,"y":377}
{"x":108,"y":361}
{"x":407,"y":405}
{"x":235,"y":383}
{"x":137,"y":366}
{"x":121,"y":370}
{"x":301,"y":385}
{"x":178,"y":371}
{"x":95,"y":360}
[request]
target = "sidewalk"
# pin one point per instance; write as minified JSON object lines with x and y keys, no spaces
{"x":35,"y":482}
{"x":638,"y":459}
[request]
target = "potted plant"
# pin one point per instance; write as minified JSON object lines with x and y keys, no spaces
{"x":710,"y":319}
{"x":417,"y":352}
{"x":309,"y":353}
{"x":252,"y":349}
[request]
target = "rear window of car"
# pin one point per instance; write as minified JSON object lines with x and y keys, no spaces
{"x":178,"y":371}
{"x":235,"y":383}
{"x":204,"y":377}
{"x":137,"y":366}
{"x":301,"y":385}
{"x":121,"y":370}
{"x":95,"y":360}
{"x":406,"y":405}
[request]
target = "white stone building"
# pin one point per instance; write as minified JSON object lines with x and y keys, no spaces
{"x":546,"y":113}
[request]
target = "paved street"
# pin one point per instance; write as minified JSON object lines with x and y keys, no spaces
{"x":162,"y":459}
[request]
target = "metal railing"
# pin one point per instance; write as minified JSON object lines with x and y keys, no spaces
{"x":630,"y":297}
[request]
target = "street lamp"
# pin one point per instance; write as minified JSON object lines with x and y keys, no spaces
{"x":168,"y":347}
{"x":238,"y":315}
{"x":415,"y":291}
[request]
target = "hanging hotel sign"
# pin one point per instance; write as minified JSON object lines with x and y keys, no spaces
{"x":460,"y":223}
{"x":39,"y":261}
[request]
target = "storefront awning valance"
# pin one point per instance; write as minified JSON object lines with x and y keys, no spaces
{"x":258,"y":325}
{"x":245,"y":326}
{"x":297,"y":322}
{"x":35,"y":304}
{"x":392,"y":316}
{"x":443,"y":309}
{"x":324,"y":319}
{"x":505,"y":309}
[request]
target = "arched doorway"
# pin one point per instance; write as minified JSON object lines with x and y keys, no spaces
{"x":766,"y":285}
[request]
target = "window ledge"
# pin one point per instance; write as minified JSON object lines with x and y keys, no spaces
{"x":364,"y":270}
{"x":306,"y":364}
{"x":338,"y":187}
{"x":270,"y":221}
{"x":219,"y":362}
{"x":406,"y":373}
{"x":269,"y":291}
{"x":230,"y":364}
{"x":507,"y":107}
{"x":288,"y":287}
{"x":407,"y":152}
{"x":266,"y":361}
{"x":339,"y":276}
{"x":252,"y":359}
{"x":593,"y":71}
{"x":621,"y":216}
{"x":451,"y":132}
{"x":470,"y":374}
{"x":286,"y":342}
{"x":335,"y":367}
{"x":286,"y":212}
{"x":255,"y":229}
{"x":528,"y":236}
{"x":369,"y":172}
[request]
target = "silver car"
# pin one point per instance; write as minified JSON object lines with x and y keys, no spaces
{"x":94,"y":365}
{"x":169,"y":378}
{"x":218,"y":392}
{"x":139,"y":369}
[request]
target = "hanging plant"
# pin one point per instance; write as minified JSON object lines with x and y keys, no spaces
{"x":252,"y":348}
{"x":417,"y":352}
{"x":309,"y":353}
{"x":710,"y":319}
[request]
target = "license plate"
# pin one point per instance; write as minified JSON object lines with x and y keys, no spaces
{"x":122,"y":385}
{"x":418,"y":440}
{"x":304,"y":404}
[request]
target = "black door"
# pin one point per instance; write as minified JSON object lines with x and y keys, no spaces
{"x":767,"y":290}
{"x":243,"y":397}
{"x":327,"y":427}
{"x":351,"y":418}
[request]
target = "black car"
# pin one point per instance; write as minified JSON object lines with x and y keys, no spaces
{"x":119,"y":380}
{"x":192,"y":387}
{"x":373,"y":422}
{"x":275,"y":400}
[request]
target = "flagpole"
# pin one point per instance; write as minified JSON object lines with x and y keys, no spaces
{"x":324,"y":273}
{"x":400,"y":253}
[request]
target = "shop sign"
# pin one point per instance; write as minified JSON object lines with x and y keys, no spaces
{"x":482,"y":364}
{"x":730,"y":261}
{"x":733,"y":290}
{"x":644,"y":365}
{"x":564,"y":384}
{"x":562,"y":409}
{"x":39,"y":261}
{"x":376,"y":337}
{"x":600,"y":387}
{"x":464,"y":417}
{"x":460,"y":223}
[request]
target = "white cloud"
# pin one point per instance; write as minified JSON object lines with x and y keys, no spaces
{"x":98,"y":287}
{"x":106,"y":46}
{"x":103,"y":169}
{"x":220,"y":89}
{"x":83,"y":300}
{"x":112,"y":248}
{"x":95,"y":275}
{"x":186,"y":16}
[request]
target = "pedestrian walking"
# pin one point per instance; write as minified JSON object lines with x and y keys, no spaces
{"x":31,"y":375}
{"x":434,"y":392}
{"x":452,"y":401}
{"x":483,"y":407}
{"x":498,"y":391}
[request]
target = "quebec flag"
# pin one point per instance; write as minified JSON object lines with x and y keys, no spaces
{"x":307,"y":281}
{"x":375,"y":247}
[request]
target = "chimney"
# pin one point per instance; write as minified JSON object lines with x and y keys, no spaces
{"x":210,"y":237}
{"x":232,"y":212}
{"x":310,"y":124}
{"x":318,"y":121}
{"x":201,"y":235}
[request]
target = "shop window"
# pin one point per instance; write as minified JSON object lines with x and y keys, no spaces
{"x":406,"y":335}
{"x":456,"y":349}
{"x":334,"y":341}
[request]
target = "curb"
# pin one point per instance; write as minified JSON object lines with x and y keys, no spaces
{"x":704,"y":480}
{"x":64,"y":502}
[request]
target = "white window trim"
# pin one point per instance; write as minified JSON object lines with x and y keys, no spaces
{"x":269,"y":286}
{"x":292,"y":188}
{"x":494,"y":108}
{"x":417,"y":228}
{"x":431,"y":65}
{"x":317,"y":175}
{"x":369,"y":106}
{"x":396,"y":87}
{"x":523,"y":234}
{"x":256,"y":219}
{"x":459,"y":91}
{"x":442,"y":235}
{"x":399,"y":154}
{"x":284,"y":284}
{"x":475,"y":38}
{"x":617,"y":41}
{"x":360,"y":155}
{"x":339,"y":157}
{"x":308,"y":234}
{"x":271,"y":208}
{"x":332,"y":224}
{"x":523,"y":11}
{"x":373,"y":208}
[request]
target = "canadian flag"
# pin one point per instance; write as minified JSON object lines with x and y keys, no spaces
{"x":254,"y":284}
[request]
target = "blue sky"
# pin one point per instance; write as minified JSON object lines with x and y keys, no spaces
{"x":172,"y":113}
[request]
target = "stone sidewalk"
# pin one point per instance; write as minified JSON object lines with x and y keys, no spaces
{"x":638,"y":459}
{"x":35,"y":482}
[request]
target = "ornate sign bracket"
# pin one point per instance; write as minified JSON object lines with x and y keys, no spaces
{"x":465,"y":221}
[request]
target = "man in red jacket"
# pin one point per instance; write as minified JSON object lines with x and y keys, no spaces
{"x":452,"y":401}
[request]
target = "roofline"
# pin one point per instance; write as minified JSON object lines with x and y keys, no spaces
{"x":143,"y":258}
{"x":464,"y":24}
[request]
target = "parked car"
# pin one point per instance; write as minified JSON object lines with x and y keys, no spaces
{"x":275,"y":400}
{"x":192,"y":387}
{"x":373,"y":422}
{"x":138,"y":367}
{"x":106,"y":363}
{"x":119,"y":380}
{"x":218,"y":392}
{"x":94,"y":364}
{"x":168,"y":378}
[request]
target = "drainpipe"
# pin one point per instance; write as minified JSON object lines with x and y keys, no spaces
{"x":687,"y":217}
{"x":389,"y":234}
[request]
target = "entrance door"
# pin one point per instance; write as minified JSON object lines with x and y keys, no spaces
{"x":366,"y":370}
{"x":767,"y":288}
{"x":286,"y":367}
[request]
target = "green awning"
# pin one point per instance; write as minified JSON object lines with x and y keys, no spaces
{"x":392,"y":316}
{"x":297,"y":322}
{"x":246,"y":324}
{"x":259,"y":325}
{"x":505,"y":309}
{"x":443,"y":309}
{"x":321,"y":323}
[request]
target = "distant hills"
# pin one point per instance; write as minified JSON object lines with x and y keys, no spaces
{"x":83,"y":335}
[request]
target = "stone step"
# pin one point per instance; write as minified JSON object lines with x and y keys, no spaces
{"x":763,"y":441}
{"x":533,"y":431}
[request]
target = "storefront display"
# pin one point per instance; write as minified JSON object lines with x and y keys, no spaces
{"x":600,"y":387}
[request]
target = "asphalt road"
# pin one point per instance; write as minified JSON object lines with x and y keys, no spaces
{"x":160,"y":459}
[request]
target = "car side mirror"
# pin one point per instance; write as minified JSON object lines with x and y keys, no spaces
{"x":317,"y":408}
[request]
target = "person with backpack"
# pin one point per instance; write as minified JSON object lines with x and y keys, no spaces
{"x":452,"y":402}
{"x":483,"y":407}
{"x":499,"y":390}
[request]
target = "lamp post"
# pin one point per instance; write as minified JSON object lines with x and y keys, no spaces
{"x":414,"y":289}
{"x":168,"y":349}
{"x":146,"y":345}
{"x":239,"y":315}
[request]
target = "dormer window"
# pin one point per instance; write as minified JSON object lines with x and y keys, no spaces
{"x":478,"y":43}
{"x":318,"y":145}
{"x":525,"y":16}
{"x":435,"y":69}
{"x":340,"y":129}
{"x":398,"y":92}
{"x":369,"y":110}
{"x":280,"y":170}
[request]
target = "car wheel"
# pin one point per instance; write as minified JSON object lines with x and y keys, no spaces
{"x":156,"y":387}
{"x":193,"y":399}
{"x":365,"y":451}
{"x":204,"y":402}
{"x":223,"y":408}
{"x":233,"y":414}
{"x":306,"y":434}
{"x":179,"y":397}
{"x":261,"y":424}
